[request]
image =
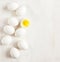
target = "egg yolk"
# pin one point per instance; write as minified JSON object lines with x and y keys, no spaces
{"x":26,"y":22}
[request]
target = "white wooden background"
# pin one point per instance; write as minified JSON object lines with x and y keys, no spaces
{"x":43,"y":35}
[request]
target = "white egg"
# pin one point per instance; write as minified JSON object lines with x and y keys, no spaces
{"x":9,"y":29}
{"x":6,"y":40}
{"x":14,"y":53}
{"x":21,"y":11}
{"x":12,"y":6}
{"x":22,"y":44}
{"x":20,"y":32}
{"x":13,"y":21}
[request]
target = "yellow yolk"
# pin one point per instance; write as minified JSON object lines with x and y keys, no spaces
{"x":25,"y":23}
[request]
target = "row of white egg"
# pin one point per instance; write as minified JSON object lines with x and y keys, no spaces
{"x":22,"y":45}
{"x":10,"y":29}
{"x":20,"y":10}
{"x":7,"y":39}
{"x":15,"y":52}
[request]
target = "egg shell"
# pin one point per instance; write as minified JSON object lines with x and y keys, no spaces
{"x":13,"y":21}
{"x":12,"y":6}
{"x":20,"y":32}
{"x":14,"y":52}
{"x":6,"y":40}
{"x":21,"y":11}
{"x":9,"y":29}
{"x":22,"y":44}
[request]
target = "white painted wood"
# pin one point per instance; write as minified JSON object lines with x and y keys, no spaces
{"x":43,"y":35}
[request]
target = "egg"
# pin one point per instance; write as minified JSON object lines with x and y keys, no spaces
{"x":6,"y":40}
{"x":13,"y":21}
{"x":21,"y":11}
{"x":14,"y":52}
{"x":9,"y":29}
{"x":20,"y":32}
{"x":25,"y":23}
{"x":12,"y":6}
{"x":22,"y":44}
